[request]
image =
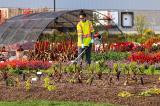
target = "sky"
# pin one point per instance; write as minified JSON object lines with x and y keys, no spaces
{"x":26,"y":3}
{"x":80,"y":4}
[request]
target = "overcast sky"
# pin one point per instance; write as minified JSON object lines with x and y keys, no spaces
{"x":89,"y":4}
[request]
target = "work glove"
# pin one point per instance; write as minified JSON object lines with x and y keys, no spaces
{"x":82,"y":46}
{"x":92,"y":41}
{"x":92,"y":36}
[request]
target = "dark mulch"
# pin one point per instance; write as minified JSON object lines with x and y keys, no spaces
{"x":99,"y":91}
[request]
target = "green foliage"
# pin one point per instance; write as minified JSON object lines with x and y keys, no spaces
{"x":49,"y":72}
{"x":152,"y":69}
{"x":10,"y":82}
{"x":110,"y":56}
{"x":139,"y":38}
{"x":142,"y":69}
{"x":16,"y":71}
{"x":51,"y":103}
{"x":150,"y":92}
{"x":124,"y":68}
{"x":133,"y":67}
{"x":100,"y":66}
{"x":142,"y":39}
{"x":70,"y":68}
{"x":99,"y":56}
{"x":52,"y":70}
{"x":91,"y":68}
{"x":115,"y":67}
{"x":124,"y":94}
{"x":117,"y":55}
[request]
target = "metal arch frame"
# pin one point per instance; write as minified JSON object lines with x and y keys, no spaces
{"x":57,"y":14}
{"x":71,"y":13}
{"x":112,"y":21}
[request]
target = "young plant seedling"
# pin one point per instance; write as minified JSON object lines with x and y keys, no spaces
{"x":100,"y":67}
{"x":51,"y":87}
{"x":152,"y":69}
{"x":78,"y":72}
{"x":46,"y":82}
{"x":28,"y":85}
{"x":90,"y":80}
{"x":57,"y":71}
{"x":17,"y":82}
{"x":9,"y":82}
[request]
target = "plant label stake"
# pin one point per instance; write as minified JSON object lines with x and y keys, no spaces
{"x":142,"y":80}
{"x":33,"y":80}
{"x":23,"y":76}
{"x":39,"y":74}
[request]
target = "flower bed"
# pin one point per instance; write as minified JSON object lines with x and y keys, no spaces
{"x":148,"y":44}
{"x":122,"y":46}
{"x":22,"y":65}
{"x":142,"y":57}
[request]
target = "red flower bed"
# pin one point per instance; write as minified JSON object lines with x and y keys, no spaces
{"x":122,"y":46}
{"x":63,"y":51}
{"x":42,"y":46}
{"x":32,"y":65}
{"x":142,"y":57}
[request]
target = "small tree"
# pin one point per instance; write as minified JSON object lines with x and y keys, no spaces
{"x":140,"y":23}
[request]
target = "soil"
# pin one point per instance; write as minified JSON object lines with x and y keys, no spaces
{"x":99,"y":91}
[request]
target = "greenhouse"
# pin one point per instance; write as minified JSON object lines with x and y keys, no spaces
{"x":27,"y":28}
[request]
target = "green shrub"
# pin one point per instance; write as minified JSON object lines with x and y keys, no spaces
{"x":110,"y":56}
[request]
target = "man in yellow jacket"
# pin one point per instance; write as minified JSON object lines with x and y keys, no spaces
{"x":85,"y":32}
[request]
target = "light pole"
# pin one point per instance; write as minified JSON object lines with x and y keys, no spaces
{"x":54,"y":4}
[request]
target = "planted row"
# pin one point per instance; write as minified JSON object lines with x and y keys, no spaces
{"x":142,"y":57}
{"x":25,"y":65}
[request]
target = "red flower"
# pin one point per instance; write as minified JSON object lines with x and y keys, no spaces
{"x":3,"y":66}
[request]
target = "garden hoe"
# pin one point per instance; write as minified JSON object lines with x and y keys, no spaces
{"x":75,"y":60}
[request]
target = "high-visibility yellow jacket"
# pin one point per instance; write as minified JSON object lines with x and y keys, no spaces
{"x":84,"y":30}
